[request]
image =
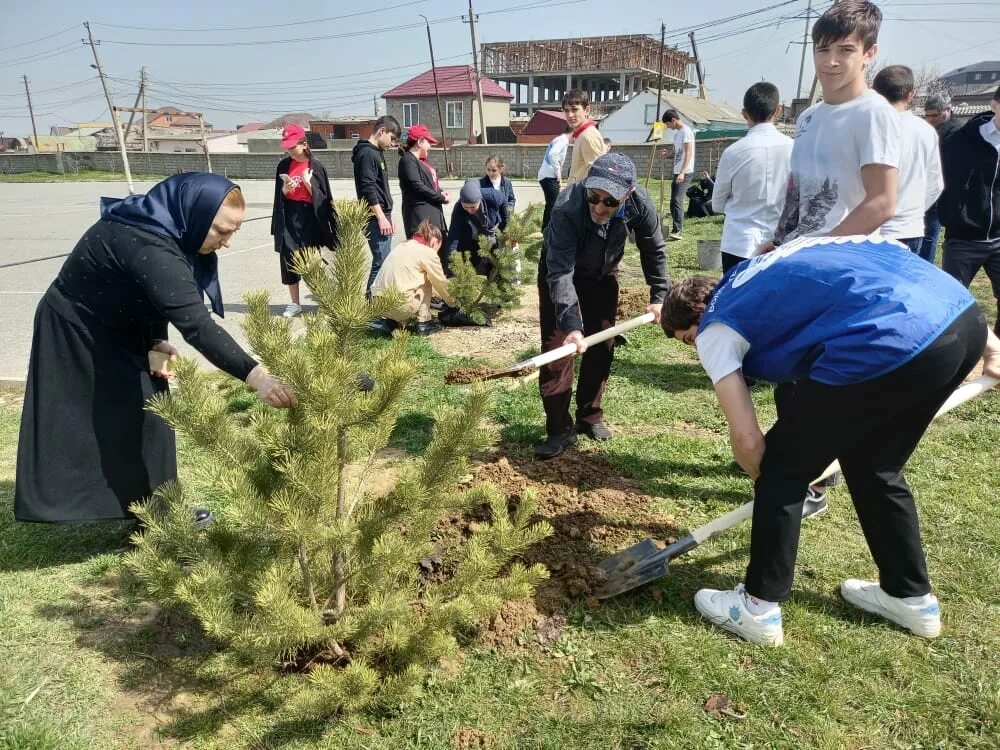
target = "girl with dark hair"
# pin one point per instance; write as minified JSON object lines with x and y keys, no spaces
{"x":303,"y":214}
{"x":418,"y":181}
{"x":87,"y":447}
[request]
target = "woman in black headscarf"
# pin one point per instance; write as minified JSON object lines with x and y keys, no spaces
{"x":87,"y":447}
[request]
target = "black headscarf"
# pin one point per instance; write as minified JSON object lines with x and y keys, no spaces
{"x":181,"y":208}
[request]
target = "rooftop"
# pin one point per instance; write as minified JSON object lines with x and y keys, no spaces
{"x":452,"y":80}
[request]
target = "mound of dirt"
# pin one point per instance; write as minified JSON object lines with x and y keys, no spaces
{"x":594,"y":511}
{"x":632,"y":302}
{"x":466,"y":375}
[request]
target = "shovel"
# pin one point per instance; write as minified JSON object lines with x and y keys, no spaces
{"x":647,"y":561}
{"x":532,"y":363}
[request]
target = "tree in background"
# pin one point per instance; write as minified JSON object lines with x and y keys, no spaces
{"x":301,"y":563}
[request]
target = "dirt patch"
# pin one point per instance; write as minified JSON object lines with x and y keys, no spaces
{"x":512,"y":333}
{"x":471,"y":739}
{"x":632,"y":302}
{"x":466,"y":375}
{"x":594,"y":511}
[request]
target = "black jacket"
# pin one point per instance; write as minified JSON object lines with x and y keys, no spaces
{"x":969,"y":207}
{"x":574,"y":247}
{"x":421,"y":200}
{"x":945,"y":131}
{"x":371,"y":179}
{"x":506,"y":187}
{"x":466,"y":228}
{"x":326,"y":213}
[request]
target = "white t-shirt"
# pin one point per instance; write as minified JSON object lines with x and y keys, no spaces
{"x":920,"y":180}
{"x":832,"y":143}
{"x":750,"y":186}
{"x":721,"y":350}
{"x":682,"y":136}
{"x":555,"y":156}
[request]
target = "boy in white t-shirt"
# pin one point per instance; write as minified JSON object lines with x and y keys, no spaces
{"x":683,"y":166}
{"x":844,"y":167}
{"x":920,"y":179}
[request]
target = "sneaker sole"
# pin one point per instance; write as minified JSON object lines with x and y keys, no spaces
{"x":726,"y":624}
{"x":876,"y":609}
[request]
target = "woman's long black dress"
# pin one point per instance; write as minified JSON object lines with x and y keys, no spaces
{"x":87,"y":447}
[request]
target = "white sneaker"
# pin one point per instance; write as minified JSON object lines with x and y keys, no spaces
{"x":815,"y":504}
{"x":920,"y":619}
{"x":728,"y":610}
{"x":292,"y":310}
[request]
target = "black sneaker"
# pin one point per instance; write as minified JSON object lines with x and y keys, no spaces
{"x":555,"y":444}
{"x":203,"y":518}
{"x":596,"y":431}
{"x":427,"y":327}
{"x":382,"y":326}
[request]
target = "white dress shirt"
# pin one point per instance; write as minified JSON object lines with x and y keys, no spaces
{"x":750,"y":188}
{"x":920,"y":180}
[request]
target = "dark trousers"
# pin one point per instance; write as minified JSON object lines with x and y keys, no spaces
{"x":932,"y":229}
{"x":677,"y":192}
{"x":729,"y":260}
{"x":550,"y":189}
{"x":963,"y":259}
{"x":872,"y":428}
{"x":598,"y":305}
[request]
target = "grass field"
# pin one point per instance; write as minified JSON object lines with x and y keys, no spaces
{"x":86,"y":663}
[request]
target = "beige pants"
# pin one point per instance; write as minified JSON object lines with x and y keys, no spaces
{"x":419,"y":305}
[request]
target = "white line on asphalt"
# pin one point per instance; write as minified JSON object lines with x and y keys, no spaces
{"x":246,"y":250}
{"x":37,"y":294}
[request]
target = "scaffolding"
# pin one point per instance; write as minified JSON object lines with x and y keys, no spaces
{"x":612,"y":69}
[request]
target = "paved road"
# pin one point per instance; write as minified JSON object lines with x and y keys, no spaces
{"x":40,"y":223}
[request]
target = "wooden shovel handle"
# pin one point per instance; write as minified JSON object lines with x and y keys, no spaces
{"x":567,"y":349}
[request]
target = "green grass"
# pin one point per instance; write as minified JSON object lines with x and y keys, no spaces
{"x":84,"y":175}
{"x":102,"y":669}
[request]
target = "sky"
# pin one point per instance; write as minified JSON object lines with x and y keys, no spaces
{"x":333,"y":58}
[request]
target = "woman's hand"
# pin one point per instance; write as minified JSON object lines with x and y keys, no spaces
{"x":307,"y":179}
{"x":159,"y":364}
{"x":269,"y":389}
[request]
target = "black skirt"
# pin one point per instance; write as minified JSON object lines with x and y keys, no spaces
{"x":87,"y":447}
{"x":301,"y":227}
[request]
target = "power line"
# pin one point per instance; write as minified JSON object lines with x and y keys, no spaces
{"x":42,"y":55}
{"x":40,"y":39}
{"x":57,"y":88}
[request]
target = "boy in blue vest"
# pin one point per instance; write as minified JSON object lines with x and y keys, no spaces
{"x":876,"y":339}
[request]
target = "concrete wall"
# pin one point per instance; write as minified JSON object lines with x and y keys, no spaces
{"x":522,"y":161}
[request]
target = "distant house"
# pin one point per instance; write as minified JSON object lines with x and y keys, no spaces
{"x":543,"y":126}
{"x":243,"y":131}
{"x":172,"y":117}
{"x":632,"y":123}
{"x":414,"y":102}
{"x":292,"y":118}
{"x":225,"y":143}
{"x":972,"y":80}
{"x":346,"y":128}
{"x":14,"y":144}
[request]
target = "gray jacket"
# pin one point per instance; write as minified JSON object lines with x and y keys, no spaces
{"x":575,"y":247}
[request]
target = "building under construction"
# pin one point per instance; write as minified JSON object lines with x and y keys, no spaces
{"x":612,"y":69}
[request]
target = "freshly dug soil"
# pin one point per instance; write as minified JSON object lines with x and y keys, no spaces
{"x":632,"y":301}
{"x":594,"y":511}
{"x":466,"y":375}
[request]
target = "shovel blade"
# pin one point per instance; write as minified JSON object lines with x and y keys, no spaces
{"x":633,"y":567}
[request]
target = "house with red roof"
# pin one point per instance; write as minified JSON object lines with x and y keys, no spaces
{"x":414,"y":102}
{"x":543,"y":126}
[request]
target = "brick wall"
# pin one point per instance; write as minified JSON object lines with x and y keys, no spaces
{"x":522,"y":161}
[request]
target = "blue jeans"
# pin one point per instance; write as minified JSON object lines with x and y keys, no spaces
{"x":380,"y":246}
{"x":932,"y":228}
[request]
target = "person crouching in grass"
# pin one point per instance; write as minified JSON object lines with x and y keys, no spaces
{"x":415,"y":269}
{"x":876,"y":340}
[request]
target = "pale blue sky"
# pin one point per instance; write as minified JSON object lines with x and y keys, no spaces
{"x":233,"y":82}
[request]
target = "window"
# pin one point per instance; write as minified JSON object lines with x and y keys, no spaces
{"x":170,"y":119}
{"x":411,"y":115}
{"x":650,"y":114}
{"x":979,"y":76}
{"x":455,"y":117}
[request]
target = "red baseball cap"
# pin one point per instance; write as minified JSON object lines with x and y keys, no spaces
{"x":416,"y":132}
{"x":292,"y":135}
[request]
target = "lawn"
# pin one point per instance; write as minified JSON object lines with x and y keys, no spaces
{"x":84,"y":175}
{"x":88,"y":664}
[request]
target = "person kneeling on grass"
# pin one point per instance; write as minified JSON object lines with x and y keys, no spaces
{"x":876,"y":339}
{"x":414,"y":268}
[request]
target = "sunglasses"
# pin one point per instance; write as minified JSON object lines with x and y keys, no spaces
{"x":593,"y":199}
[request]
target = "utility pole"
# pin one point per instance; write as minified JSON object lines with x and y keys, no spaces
{"x":375,"y":104}
{"x":145,"y":117}
{"x":437,"y":95}
{"x":111,"y":106}
{"x":204,"y":142}
{"x":475,"y":64}
{"x":702,"y":91}
{"x":815,"y":84}
{"x":659,"y":83}
{"x":31,"y":112}
{"x":138,"y":98}
{"x":805,"y":42}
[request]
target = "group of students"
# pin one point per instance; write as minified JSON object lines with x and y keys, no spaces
{"x":820,"y":295}
{"x":303,"y":216}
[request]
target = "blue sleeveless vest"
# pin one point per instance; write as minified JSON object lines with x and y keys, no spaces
{"x":837,"y":310}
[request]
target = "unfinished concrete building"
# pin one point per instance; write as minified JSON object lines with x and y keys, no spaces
{"x":612,"y":69}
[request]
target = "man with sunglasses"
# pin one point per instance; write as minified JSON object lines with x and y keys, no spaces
{"x":578,"y":290}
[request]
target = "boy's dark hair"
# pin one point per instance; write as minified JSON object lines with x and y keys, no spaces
{"x":390,"y":123}
{"x":894,"y":82}
{"x":680,"y":307}
{"x":845,"y":18}
{"x":670,"y":114}
{"x":761,"y":101}
{"x":576,"y":96}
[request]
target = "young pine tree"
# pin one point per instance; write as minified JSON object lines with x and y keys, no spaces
{"x":301,"y":562}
